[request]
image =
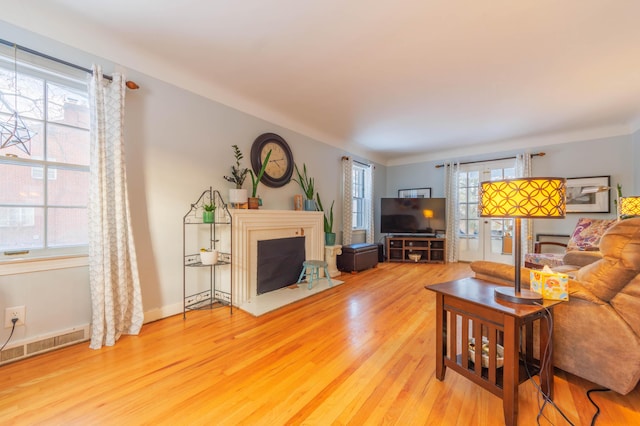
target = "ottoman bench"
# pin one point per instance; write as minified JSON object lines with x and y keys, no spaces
{"x":358,"y":257}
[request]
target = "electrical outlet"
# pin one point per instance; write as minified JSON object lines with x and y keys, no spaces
{"x":14,"y":312}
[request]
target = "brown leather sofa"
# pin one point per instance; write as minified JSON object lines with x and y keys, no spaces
{"x":596,"y":333}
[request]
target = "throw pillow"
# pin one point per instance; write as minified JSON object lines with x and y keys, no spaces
{"x":588,"y":232}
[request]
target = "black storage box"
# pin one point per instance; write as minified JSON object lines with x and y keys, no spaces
{"x":358,"y":257}
{"x":381,"y":257}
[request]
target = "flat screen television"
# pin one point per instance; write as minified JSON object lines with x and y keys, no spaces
{"x":413,"y":215}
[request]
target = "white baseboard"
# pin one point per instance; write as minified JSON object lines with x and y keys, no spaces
{"x":59,"y":339}
{"x":45,"y":343}
{"x":162,"y":312}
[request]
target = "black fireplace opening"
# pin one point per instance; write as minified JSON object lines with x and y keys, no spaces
{"x":279,"y":262}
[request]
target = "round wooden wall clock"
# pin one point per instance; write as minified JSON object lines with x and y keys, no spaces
{"x":280,"y":168}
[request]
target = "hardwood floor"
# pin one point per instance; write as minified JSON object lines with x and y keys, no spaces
{"x":361,"y":353}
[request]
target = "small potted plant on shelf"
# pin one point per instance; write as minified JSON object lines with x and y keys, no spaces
{"x":254,"y":202}
{"x":208,"y":256}
{"x":307,"y":185}
{"x":238,"y":195}
{"x":329,"y":235}
{"x":209,"y":212}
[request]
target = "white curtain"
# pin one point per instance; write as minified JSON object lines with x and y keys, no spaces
{"x":347,"y":200}
{"x":451,"y":192}
{"x":368,"y":195}
{"x":523,"y":169}
{"x":113,"y":272}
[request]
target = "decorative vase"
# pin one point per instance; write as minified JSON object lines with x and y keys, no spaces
{"x":209,"y":257}
{"x":238,"y":197}
{"x":310,"y":205}
{"x":207,"y":217}
{"x":297,"y":202}
{"x":329,"y":238}
{"x":254,"y":203}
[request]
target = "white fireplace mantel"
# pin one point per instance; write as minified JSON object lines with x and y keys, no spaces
{"x":251,"y":226}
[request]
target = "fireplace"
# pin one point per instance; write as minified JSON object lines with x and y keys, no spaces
{"x":252,"y":226}
{"x":279,"y":263}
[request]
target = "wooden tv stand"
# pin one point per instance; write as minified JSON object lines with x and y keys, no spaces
{"x":431,"y":249}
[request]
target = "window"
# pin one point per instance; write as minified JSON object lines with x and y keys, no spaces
{"x":359,"y":201}
{"x":468,"y":188}
{"x":44,"y":195}
{"x":481,"y":238}
{"x":468,"y":182}
{"x":501,"y":228}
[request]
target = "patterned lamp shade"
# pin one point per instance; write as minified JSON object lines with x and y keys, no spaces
{"x":534,"y":197}
{"x":630,"y":206}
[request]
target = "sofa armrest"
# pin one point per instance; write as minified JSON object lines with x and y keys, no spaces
{"x":498,"y":272}
{"x":581,"y":258}
{"x":504,"y":274}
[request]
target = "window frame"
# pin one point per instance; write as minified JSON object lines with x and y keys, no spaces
{"x":26,"y":260}
{"x":358,"y":203}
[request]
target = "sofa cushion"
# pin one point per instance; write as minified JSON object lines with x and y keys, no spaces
{"x":588,"y":232}
{"x":627,"y":304}
{"x":540,"y":260}
{"x":620,"y":247}
{"x":581,"y":258}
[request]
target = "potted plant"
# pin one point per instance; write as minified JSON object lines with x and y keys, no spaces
{"x":208,"y":256}
{"x":254,"y":202}
{"x":308,"y":188}
{"x":238,"y":195}
{"x":209,"y":212}
{"x":329,"y":235}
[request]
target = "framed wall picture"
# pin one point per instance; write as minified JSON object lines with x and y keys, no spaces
{"x":414,"y":193}
{"x":588,"y":194}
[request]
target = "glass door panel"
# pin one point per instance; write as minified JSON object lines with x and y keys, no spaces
{"x":483,"y":238}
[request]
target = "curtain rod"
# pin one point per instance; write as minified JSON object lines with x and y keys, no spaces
{"x":359,"y":162}
{"x":130,"y":84}
{"x":537,"y":154}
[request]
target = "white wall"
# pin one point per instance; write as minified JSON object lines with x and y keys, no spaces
{"x":614,"y":156}
{"x":601,"y":157}
{"x":635,"y":140}
{"x":177,"y":144}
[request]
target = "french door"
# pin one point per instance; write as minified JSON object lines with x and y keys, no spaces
{"x":483,"y":238}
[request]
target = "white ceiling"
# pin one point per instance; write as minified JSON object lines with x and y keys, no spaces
{"x":393,"y":79}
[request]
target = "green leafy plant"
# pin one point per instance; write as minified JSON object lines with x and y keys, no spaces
{"x":328,"y":220}
{"x":208,"y":216}
{"x":255,"y":180}
{"x":238,"y":173}
{"x":305,"y":182}
{"x":619,"y":192}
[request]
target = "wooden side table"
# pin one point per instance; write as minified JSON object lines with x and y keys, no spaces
{"x":467,"y":309}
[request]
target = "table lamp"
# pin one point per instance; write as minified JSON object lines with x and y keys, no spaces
{"x":629,"y":206}
{"x":528,"y":198}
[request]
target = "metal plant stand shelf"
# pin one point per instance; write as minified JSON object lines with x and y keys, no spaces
{"x":206,"y":286}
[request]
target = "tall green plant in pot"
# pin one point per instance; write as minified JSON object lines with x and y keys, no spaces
{"x":255,"y":180}
{"x":238,"y":195}
{"x":329,"y":235}
{"x":308,"y":188}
